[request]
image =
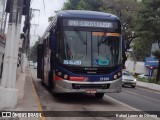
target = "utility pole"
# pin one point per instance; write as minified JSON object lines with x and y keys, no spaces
{"x":26,"y":36}
{"x":8,"y":92}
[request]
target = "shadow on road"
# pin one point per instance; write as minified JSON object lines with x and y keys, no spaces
{"x":70,"y":98}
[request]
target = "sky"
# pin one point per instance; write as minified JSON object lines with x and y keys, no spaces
{"x":39,"y":20}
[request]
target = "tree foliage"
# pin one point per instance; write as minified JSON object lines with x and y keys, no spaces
{"x":33,"y":52}
{"x":150,"y":19}
{"x":94,"y":5}
{"x":156,"y":53}
{"x":141,"y":49}
{"x":148,"y":26}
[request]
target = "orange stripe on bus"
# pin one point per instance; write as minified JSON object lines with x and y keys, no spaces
{"x":105,"y":34}
{"x":98,"y":33}
{"x":113,"y":34}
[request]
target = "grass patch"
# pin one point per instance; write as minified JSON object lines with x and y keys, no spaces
{"x":150,"y":80}
{"x":142,"y":79}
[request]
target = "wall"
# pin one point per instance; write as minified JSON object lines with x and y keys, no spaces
{"x":136,"y":67}
{"x":1,"y":12}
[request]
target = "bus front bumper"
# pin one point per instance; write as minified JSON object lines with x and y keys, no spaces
{"x":65,"y":86}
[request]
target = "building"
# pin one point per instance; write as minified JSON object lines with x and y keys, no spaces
{"x":2,"y":33}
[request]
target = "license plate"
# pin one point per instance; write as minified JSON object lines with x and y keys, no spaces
{"x":91,"y":91}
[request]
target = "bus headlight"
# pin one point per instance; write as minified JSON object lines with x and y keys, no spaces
{"x":59,"y":73}
{"x":65,"y":76}
{"x":115,"y":76}
{"x":119,"y":74}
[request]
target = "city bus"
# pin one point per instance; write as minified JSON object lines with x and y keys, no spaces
{"x":81,"y":52}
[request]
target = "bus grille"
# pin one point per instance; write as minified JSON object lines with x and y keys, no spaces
{"x":90,"y":86}
{"x":92,"y":71}
{"x":97,"y":72}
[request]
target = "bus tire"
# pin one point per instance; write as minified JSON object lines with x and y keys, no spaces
{"x":56,"y":94}
{"x":99,"y":95}
{"x":133,"y":86}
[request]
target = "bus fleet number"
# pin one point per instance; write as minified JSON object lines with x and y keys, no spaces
{"x":104,"y":78}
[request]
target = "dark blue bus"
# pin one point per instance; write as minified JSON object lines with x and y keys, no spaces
{"x":81,"y":52}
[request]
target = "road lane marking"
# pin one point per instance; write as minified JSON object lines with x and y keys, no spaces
{"x":37,"y":99}
{"x":142,"y":96}
{"x":121,"y":103}
{"x":130,"y":107}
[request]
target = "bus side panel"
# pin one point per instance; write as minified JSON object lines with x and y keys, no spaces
{"x":40,"y":61}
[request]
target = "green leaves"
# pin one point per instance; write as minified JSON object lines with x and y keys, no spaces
{"x":33,"y":52}
{"x":93,"y":5}
{"x":156,"y":53}
{"x":150,"y":18}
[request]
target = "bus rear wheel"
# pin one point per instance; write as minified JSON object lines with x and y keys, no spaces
{"x":99,"y":95}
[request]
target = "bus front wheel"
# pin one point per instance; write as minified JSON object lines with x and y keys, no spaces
{"x":99,"y":95}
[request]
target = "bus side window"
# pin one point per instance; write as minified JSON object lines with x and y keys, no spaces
{"x":52,"y":40}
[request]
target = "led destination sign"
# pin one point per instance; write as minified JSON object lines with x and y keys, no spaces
{"x":85,"y":23}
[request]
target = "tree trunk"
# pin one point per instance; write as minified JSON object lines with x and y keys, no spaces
{"x":158,"y":71}
{"x":124,"y":58}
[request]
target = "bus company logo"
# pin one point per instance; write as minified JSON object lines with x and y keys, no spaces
{"x":6,"y":114}
{"x":86,"y":79}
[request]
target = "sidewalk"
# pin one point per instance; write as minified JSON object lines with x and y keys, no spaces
{"x":27,"y":99}
{"x":150,"y":86}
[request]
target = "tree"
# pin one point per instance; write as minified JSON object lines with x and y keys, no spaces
{"x":94,"y":5}
{"x":150,"y":20}
{"x":141,"y":49}
{"x":33,"y":52}
{"x":149,"y":26}
{"x":71,"y":5}
{"x":156,"y":53}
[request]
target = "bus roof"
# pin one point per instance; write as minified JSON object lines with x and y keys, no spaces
{"x":81,"y":14}
{"x":86,"y":14}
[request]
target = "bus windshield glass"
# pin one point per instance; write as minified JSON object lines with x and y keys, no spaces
{"x":90,"y":49}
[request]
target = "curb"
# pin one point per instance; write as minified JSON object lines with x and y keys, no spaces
{"x":150,"y":86}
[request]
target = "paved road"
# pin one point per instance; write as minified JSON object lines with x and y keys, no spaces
{"x":76,"y":102}
{"x":139,"y":98}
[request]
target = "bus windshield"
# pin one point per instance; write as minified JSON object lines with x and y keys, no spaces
{"x":90,"y":49}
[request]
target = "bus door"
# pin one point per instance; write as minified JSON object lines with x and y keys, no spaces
{"x":47,"y":54}
{"x":40,"y":54}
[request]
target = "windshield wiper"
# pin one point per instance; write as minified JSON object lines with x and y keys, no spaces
{"x":84,"y":41}
{"x":101,"y":39}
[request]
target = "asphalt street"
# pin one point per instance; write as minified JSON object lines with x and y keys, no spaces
{"x":128,"y":100}
{"x":139,"y":98}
